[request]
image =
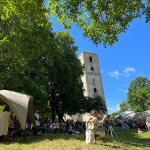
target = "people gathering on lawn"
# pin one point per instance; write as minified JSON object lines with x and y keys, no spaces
{"x":129,"y":123}
{"x":92,"y":127}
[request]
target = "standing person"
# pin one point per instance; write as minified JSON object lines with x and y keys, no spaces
{"x":5,"y":121}
{"x":37,"y":121}
{"x":92,"y":128}
{"x":148,"y":124}
{"x":37,"y":117}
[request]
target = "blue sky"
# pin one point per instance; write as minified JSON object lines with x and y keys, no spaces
{"x":120,"y":64}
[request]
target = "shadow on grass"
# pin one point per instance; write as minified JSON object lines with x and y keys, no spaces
{"x":43,"y":137}
{"x":127,"y":137}
{"x":130,"y":137}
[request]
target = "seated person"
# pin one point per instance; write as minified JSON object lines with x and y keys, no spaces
{"x":72,"y":131}
{"x":69,"y":129}
{"x":6,"y":123}
{"x":62,"y":127}
{"x":48,"y":127}
{"x":18,"y":128}
{"x":92,"y":128}
{"x":55,"y":126}
{"x":125,"y":126}
{"x":139,"y":131}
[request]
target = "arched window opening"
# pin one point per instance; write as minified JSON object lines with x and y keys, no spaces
{"x":90,"y":59}
{"x":95,"y":90}
{"x":92,"y":68}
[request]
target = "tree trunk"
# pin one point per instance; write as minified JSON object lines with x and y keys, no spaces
{"x":53,"y":104}
{"x":61,"y":116}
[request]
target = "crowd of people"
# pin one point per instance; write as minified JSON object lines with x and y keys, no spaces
{"x":65,"y":127}
{"x":129,"y":123}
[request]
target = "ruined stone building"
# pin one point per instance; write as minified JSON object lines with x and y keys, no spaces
{"x":92,"y":81}
{"x":92,"y":76}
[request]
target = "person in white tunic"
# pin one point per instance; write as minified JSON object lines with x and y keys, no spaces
{"x":92,"y":128}
{"x":37,"y":118}
{"x":5,"y":120}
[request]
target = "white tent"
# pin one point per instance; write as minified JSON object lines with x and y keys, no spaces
{"x":146,"y":114}
{"x":21,"y":104}
{"x":125,"y":113}
{"x":132,"y":115}
{"x":117,"y":116}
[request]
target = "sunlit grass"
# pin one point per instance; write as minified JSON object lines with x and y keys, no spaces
{"x":129,"y":139}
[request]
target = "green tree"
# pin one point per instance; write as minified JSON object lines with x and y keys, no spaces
{"x":123,"y":106}
{"x":112,"y":116}
{"x":64,"y":76}
{"x":101,"y":20}
{"x":27,"y":42}
{"x":87,"y":104}
{"x":138,"y":96}
{"x":147,"y":11}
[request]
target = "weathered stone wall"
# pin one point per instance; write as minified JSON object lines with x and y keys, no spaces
{"x":92,"y":76}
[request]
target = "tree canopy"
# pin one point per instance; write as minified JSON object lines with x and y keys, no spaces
{"x":123,"y":106}
{"x":101,"y":20}
{"x":138,"y":96}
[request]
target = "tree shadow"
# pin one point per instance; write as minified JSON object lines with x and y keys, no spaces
{"x":130,"y":137}
{"x":126,"y":137}
{"x":43,"y":137}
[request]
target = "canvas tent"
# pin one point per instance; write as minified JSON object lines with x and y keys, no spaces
{"x":125,"y":113}
{"x":21,"y":104}
{"x":132,"y":115}
{"x":146,"y":114}
{"x":117,"y":116}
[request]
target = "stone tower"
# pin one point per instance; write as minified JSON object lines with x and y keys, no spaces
{"x":92,"y":80}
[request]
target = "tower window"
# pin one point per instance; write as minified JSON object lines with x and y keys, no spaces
{"x":93,"y":80}
{"x":92,"y":68}
{"x":90,"y":59}
{"x":95,"y":90}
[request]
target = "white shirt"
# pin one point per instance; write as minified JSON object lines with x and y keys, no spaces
{"x":37,"y":117}
{"x":4,"y":118}
{"x":91,"y":126}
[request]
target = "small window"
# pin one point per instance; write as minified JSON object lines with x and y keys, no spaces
{"x":93,"y":80}
{"x":95,"y":90}
{"x":90,"y":59}
{"x":92,"y":68}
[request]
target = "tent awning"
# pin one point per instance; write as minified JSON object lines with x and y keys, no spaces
{"x":21,"y":104}
{"x":123,"y":114}
{"x":146,"y":114}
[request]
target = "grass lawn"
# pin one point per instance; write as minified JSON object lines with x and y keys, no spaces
{"x":129,"y":140}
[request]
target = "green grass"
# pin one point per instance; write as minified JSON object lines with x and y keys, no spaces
{"x":129,"y":139}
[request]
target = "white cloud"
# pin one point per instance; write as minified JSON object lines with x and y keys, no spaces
{"x":122,"y":90}
{"x":128,"y":70}
{"x":113,"y":109}
{"x":115,"y":74}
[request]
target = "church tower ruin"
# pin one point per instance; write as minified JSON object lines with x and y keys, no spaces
{"x":91,"y":79}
